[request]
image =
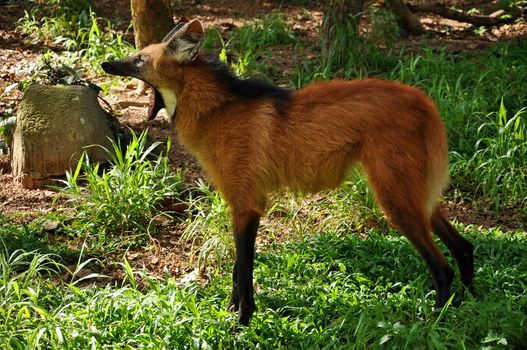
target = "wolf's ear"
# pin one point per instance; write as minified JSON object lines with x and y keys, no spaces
{"x":194,"y":31}
{"x":173,"y":33}
{"x":184,"y":44}
{"x":177,"y":29}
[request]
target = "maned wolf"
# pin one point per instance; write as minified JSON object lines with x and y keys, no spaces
{"x":253,"y":138}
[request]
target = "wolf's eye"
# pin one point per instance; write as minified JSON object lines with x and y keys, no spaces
{"x":139,"y":60}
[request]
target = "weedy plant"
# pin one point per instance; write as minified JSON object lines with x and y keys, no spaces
{"x":384,"y":29}
{"x":25,"y":285}
{"x":123,"y":198}
{"x":208,"y":227}
{"x":51,"y":69}
{"x":272,"y":29}
{"x":355,"y":204}
{"x":347,"y":56}
{"x":498,"y":168}
{"x":74,"y":26}
{"x":351,"y":56}
{"x":7,"y":126}
{"x":249,"y":45}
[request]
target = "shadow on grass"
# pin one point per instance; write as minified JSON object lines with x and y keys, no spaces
{"x":34,"y":237}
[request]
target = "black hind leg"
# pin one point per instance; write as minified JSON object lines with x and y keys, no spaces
{"x":461,"y":249}
{"x":442,"y":275}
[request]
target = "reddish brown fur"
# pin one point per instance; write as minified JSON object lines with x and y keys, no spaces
{"x":248,"y":150}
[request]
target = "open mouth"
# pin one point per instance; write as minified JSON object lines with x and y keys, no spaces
{"x":156,"y":104}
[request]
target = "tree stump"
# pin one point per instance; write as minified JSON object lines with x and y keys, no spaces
{"x":54,"y":125}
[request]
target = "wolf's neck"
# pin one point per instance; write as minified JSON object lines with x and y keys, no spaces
{"x":198,"y":100}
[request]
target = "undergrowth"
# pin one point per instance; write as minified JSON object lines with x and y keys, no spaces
{"x":122,"y":199}
{"x":328,"y":290}
{"x":73,"y":26}
{"x":248,"y":48}
{"x":208,"y":227}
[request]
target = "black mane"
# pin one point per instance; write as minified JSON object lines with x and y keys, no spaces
{"x":246,"y":88}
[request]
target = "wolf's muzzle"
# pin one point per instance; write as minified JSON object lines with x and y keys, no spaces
{"x":116,"y":68}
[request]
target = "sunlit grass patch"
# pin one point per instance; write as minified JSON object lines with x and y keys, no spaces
{"x":247,"y":50}
{"x":121,"y":200}
{"x":328,"y":289}
{"x":498,"y":168}
{"x":208,"y":227}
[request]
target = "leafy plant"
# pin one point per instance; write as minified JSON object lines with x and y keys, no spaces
{"x":122,"y":199}
{"x":209,"y":227}
{"x":384,"y":28}
{"x":249,"y":45}
{"x":75,"y":27}
{"x":94,"y":44}
{"x":350,"y":56}
{"x":50,"y":69}
{"x":271,"y":30}
{"x":499,"y":167}
{"x":7,"y":126}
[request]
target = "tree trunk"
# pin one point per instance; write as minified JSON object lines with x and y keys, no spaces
{"x":152,"y":20}
{"x":407,"y":19}
{"x":339,"y":13}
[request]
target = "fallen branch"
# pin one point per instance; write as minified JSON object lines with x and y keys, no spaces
{"x":458,"y":15}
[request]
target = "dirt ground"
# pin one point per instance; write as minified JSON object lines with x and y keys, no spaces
{"x":16,"y":54}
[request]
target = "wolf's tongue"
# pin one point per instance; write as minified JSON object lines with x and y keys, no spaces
{"x":156,"y":104}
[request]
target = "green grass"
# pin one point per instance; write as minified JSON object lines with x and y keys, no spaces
{"x":73,"y":26}
{"x":497,"y":168}
{"x":329,"y":290}
{"x":123,"y":199}
{"x":208,"y":227}
{"x":248,"y":49}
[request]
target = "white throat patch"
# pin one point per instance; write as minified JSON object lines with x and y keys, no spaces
{"x":170,"y":101}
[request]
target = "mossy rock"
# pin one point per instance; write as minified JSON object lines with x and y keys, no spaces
{"x":55,"y":124}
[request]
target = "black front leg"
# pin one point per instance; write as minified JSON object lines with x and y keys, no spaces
{"x":242,"y":297}
{"x":233,"y":304}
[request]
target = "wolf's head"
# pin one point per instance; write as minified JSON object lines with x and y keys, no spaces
{"x":156,"y":64}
